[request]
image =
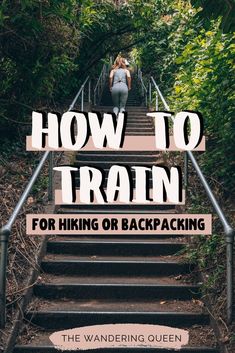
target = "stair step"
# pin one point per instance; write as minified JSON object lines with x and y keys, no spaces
{"x":119,"y":153}
{"x":139,"y":121}
{"x":116,"y":248}
{"x":130,"y":110}
{"x":135,"y":114}
{"x":100,"y":209}
{"x":171,"y":306}
{"x":116,"y":280}
{"x":133,"y":110}
{"x":98,"y":265}
{"x":121,"y":291}
{"x":164,"y":238}
{"x":138,"y":117}
{"x":139,"y":126}
{"x":139,"y":133}
{"x":142,"y":128}
{"x":106,"y":168}
{"x":62,"y":320}
{"x":135,"y":122}
{"x":50,"y":349}
{"x":116,"y":208}
{"x":108,"y":158}
{"x":107,"y":164}
{"x":106,"y":108}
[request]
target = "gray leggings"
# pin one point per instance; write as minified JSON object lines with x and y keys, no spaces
{"x":119,"y":96}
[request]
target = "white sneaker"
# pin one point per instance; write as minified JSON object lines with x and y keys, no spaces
{"x":115,"y":110}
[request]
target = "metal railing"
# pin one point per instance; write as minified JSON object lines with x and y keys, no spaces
{"x":102,"y":80}
{"x":143,"y":87}
{"x":228,"y":230}
{"x":5,"y":231}
{"x":81,"y":93}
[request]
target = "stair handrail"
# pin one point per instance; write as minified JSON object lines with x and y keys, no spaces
{"x":5,"y":231}
{"x":143,"y":87}
{"x":98,"y":90}
{"x":82,"y":93}
{"x":228,"y":229}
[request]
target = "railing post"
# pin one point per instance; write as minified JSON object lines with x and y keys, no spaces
{"x":50,"y":181}
{"x":142,"y":87}
{"x":229,"y":255}
{"x":185,"y":170}
{"x":82,"y":99}
{"x":4,"y":237}
{"x":150,"y":94}
{"x":89,"y":91}
{"x":94,"y":97}
{"x":156,"y":103}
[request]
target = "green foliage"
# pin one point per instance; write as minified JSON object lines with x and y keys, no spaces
{"x":38,"y":45}
{"x":204,"y":82}
{"x":223,"y":7}
{"x":208,"y":252}
{"x":171,"y":32}
{"x":40,"y":186}
{"x":204,"y":254}
{"x":48,"y":47}
{"x":193,"y":62}
{"x":109,"y":30}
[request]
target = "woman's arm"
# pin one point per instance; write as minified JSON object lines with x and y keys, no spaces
{"x":111,"y":80}
{"x":128,"y":79}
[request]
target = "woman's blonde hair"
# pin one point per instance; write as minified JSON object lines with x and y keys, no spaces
{"x":119,"y":63}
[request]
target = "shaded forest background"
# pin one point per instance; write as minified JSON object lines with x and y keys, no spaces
{"x":47,"y":48}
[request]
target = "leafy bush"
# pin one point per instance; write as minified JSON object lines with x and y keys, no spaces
{"x":48,"y":47}
{"x":205,"y":83}
{"x":38,"y":46}
{"x":193,"y":62}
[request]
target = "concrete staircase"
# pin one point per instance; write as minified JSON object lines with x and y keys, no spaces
{"x":88,"y":280}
